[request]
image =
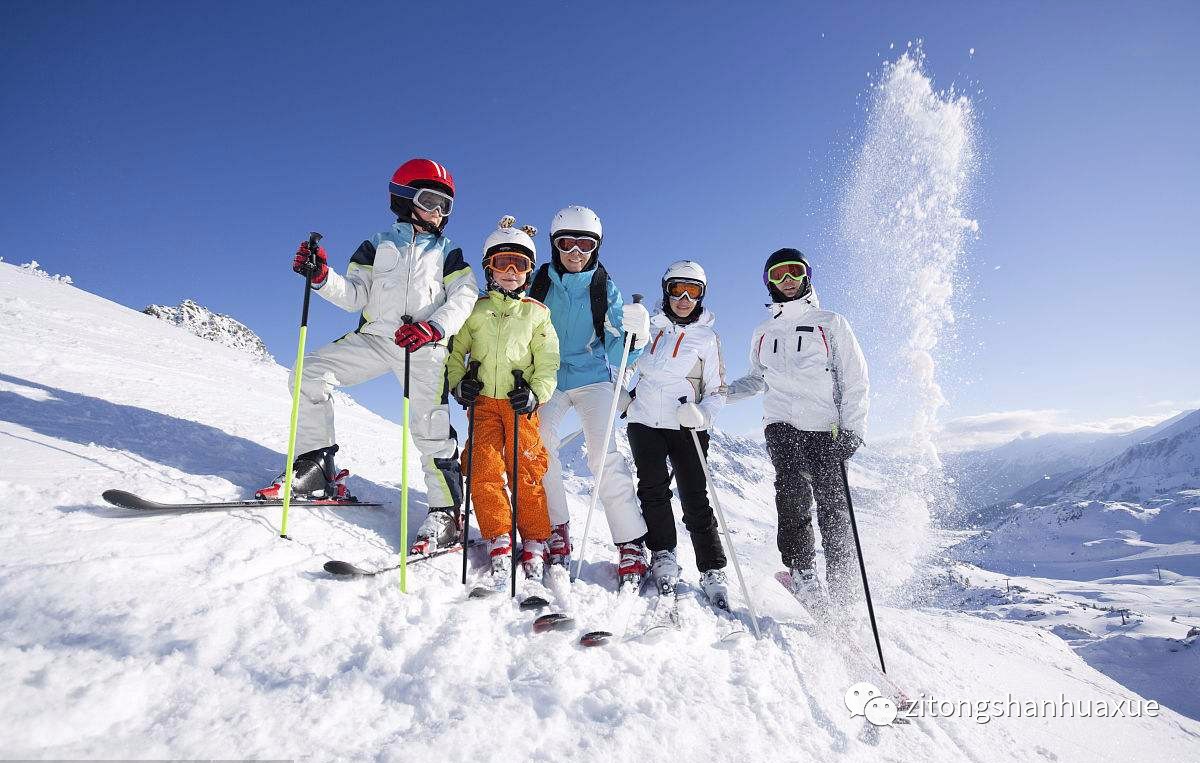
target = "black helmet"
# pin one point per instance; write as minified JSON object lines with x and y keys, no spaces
{"x":779,"y":257}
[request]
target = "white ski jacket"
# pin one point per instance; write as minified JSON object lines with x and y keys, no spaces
{"x":397,"y":273}
{"x":680,"y":361}
{"x":811,"y":368}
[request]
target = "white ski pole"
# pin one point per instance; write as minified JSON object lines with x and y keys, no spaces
{"x":608,"y":430}
{"x":737,"y":567}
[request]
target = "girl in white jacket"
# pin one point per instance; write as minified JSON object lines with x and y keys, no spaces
{"x":812,"y":370}
{"x":681,"y":386}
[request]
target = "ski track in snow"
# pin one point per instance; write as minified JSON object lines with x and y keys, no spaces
{"x":207,"y":636}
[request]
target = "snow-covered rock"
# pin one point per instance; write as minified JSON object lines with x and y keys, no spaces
{"x":215,"y":327}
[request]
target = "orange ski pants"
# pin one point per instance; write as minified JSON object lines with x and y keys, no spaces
{"x":492,"y":452}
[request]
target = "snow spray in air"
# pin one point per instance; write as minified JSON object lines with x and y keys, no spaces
{"x":904,"y":225}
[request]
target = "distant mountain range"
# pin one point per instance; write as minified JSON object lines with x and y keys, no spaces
{"x":1039,"y":469}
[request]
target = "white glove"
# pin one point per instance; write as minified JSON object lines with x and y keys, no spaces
{"x":624,"y":400}
{"x":690,"y":416}
{"x":635,"y":320}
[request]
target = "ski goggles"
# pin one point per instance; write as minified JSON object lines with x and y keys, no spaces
{"x":585,"y":244}
{"x":677,"y":290}
{"x":426,"y":198}
{"x":797,"y":271}
{"x":511,"y":262}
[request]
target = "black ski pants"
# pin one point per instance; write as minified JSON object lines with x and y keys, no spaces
{"x":652,"y":448}
{"x":808,"y":472}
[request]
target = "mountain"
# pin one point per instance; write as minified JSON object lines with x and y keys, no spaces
{"x":215,"y":327}
{"x":208,"y":636}
{"x":1165,"y":463}
{"x":989,"y":481}
{"x":1135,"y":512}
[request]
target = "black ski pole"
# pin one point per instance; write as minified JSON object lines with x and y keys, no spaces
{"x":472,"y":372}
{"x":314,"y":240}
{"x":862,"y":567}
{"x":518,"y":383}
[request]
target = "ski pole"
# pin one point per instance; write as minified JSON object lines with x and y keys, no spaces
{"x":404,"y":476}
{"x":314,"y":240}
{"x":712,"y":491}
{"x":608,"y":430}
{"x":862,"y":567}
{"x":518,"y":383}
{"x":472,"y":372}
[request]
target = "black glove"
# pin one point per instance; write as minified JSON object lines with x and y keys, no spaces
{"x":523,"y":400}
{"x":468,"y":389}
{"x":845,"y":442}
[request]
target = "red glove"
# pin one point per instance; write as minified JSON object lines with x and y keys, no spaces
{"x":303,"y":264}
{"x":414,"y":336}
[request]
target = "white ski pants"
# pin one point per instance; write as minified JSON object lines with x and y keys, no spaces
{"x":356,"y":358}
{"x":617,"y":497}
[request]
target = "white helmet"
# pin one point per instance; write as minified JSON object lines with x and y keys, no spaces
{"x":576,"y":219}
{"x":515,"y":239}
{"x":685,"y":270}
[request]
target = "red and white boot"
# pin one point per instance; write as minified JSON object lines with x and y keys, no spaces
{"x":631,"y":563}
{"x":559,"y":545}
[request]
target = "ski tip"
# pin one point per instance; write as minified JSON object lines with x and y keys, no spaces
{"x":120,"y":498}
{"x":595,"y":638}
{"x":555,"y":621}
{"x":344,"y":569}
{"x":533,"y":602}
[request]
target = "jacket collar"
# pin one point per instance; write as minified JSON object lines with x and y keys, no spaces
{"x":660,"y":321}
{"x":795,"y":308}
{"x":405,"y":231}
{"x":573,"y":282}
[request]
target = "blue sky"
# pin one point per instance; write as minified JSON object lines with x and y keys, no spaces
{"x":162,"y":151}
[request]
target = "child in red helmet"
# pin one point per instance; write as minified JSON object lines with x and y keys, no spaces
{"x":412,"y":289}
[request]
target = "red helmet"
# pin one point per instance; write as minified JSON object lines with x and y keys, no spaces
{"x":423,"y":171}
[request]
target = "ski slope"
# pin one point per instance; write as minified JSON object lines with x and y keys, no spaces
{"x":208,"y":636}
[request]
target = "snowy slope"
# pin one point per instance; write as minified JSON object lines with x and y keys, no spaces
{"x":207,"y":636}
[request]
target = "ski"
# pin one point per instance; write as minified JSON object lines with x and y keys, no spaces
{"x":556,"y":584}
{"x":847,"y":644}
{"x":126,"y":500}
{"x":346,"y":569}
{"x":628,"y":595}
{"x":733,"y":629}
{"x":664,"y":616}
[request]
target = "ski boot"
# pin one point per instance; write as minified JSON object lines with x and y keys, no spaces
{"x":533,"y":559}
{"x":500,"y":555}
{"x":631,"y":564}
{"x":714,"y":586}
{"x":439,"y":530}
{"x":665,"y":570}
{"x":559,"y":545}
{"x":314,"y":478}
{"x":807,"y":589}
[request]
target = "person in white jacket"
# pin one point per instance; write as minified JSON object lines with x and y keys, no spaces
{"x":413,"y":290}
{"x":681,"y":386}
{"x":808,"y":363}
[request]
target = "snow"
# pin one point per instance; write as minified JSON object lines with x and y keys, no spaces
{"x":207,"y":636}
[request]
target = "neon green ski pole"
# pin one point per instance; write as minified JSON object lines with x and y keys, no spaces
{"x":314,"y":239}
{"x":404,"y":479}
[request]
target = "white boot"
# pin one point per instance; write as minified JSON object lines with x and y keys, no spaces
{"x":715,"y":587}
{"x":665,"y":570}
